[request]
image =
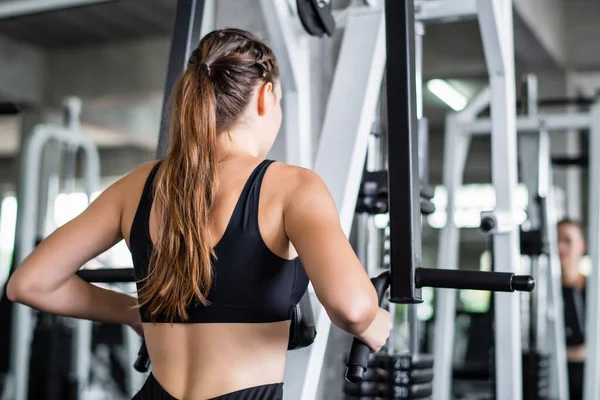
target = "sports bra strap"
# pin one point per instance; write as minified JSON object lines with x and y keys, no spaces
{"x":145,"y":205}
{"x":250,"y":196}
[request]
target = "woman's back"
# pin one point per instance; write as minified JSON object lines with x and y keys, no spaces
{"x":211,"y":238}
{"x":195,"y":355}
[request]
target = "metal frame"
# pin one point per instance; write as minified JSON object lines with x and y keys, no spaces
{"x":186,"y":36}
{"x":534,"y":151}
{"x":291,"y":44}
{"x":340,"y":160}
{"x":460,"y":127}
{"x":592,"y":330}
{"x":456,"y":147}
{"x":495,"y":24}
{"x":17,"y":379}
{"x":495,"y":21}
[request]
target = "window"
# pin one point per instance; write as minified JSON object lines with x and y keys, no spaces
{"x":470,"y":201}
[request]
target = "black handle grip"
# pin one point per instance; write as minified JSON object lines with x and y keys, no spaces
{"x":477,"y":280}
{"x":142,"y":363}
{"x":359,"y":353}
{"x":107,"y":275}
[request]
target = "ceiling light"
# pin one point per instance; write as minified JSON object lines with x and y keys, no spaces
{"x":445,"y":92}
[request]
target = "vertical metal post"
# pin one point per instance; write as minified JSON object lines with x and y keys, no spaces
{"x":186,"y":35}
{"x":554,"y":334}
{"x":293,"y":53}
{"x":592,"y":330}
{"x":534,"y":151}
{"x":373,"y":234}
{"x":456,"y":147}
{"x":529,"y":153}
{"x":419,"y":32}
{"x":30,"y":177}
{"x":340,"y":161}
{"x":422,"y":161}
{"x":403,"y":175}
{"x":532,"y":94}
{"x":82,"y":337}
{"x":495,"y":22}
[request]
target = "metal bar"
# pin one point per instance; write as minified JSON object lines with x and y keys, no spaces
{"x":576,"y":161}
{"x":403,"y":161}
{"x":419,"y":32}
{"x":20,"y":8}
{"x":82,"y":337}
{"x":479,"y":103}
{"x":532,"y":94}
{"x":475,"y":280}
{"x":424,"y":155}
{"x":531,"y":175}
{"x":373,"y":235}
{"x":22,"y":318}
{"x":456,"y":147}
{"x":209,"y":17}
{"x":439,"y":11}
{"x":546,"y":333}
{"x":293,"y":54}
{"x":553,"y":328}
{"x":341,"y":155}
{"x":495,"y":23}
{"x":592,"y":329}
{"x":552,"y":122}
{"x":108,"y":275}
{"x":186,"y":35}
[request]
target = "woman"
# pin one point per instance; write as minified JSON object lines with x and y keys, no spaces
{"x":215,"y":233}
{"x":571,"y":248}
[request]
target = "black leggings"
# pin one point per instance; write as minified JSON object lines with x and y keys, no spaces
{"x":152,"y":390}
{"x":575,"y":380}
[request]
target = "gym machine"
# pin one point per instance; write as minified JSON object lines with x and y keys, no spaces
{"x":535,"y":128}
{"x":30,"y":217}
{"x":406,"y":275}
{"x":544,"y":356}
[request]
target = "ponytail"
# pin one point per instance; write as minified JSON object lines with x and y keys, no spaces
{"x":227,"y":65}
{"x":185,"y":188}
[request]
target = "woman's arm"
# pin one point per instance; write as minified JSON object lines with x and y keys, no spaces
{"x":46,"y":279}
{"x":340,"y":281}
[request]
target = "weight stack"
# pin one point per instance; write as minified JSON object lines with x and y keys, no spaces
{"x":50,"y":360}
{"x":536,"y":376}
{"x":402,"y":376}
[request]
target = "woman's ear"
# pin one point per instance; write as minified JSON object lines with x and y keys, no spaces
{"x":265,"y":99}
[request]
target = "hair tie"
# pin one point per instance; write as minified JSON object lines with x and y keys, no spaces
{"x":205,"y":66}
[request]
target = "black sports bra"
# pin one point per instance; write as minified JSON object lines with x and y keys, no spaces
{"x":250,"y":283}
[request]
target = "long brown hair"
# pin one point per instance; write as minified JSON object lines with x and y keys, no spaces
{"x":210,"y":96}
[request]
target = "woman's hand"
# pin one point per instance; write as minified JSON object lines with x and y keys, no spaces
{"x":136,"y":322}
{"x":377,"y":334}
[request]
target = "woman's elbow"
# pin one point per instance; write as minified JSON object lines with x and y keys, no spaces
{"x":14,"y":290}
{"x":357,"y":313}
{"x":19,"y":289}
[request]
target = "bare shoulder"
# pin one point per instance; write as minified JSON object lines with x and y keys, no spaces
{"x":137,"y":175}
{"x":295,"y":178}
{"x":297,"y":184}
{"x":134,"y":180}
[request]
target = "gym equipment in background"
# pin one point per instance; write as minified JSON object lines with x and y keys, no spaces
{"x":406,"y":276}
{"x":316,"y":17}
{"x":30,"y":214}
